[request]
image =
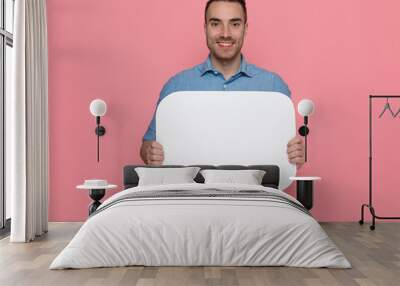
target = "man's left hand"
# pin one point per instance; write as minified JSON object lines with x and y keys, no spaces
{"x":296,"y":151}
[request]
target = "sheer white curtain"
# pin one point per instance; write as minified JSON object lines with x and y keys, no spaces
{"x":27,"y":123}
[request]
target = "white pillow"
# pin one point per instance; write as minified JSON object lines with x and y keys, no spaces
{"x":248,"y":177}
{"x":165,"y":176}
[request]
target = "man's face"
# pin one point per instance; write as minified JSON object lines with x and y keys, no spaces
{"x":225,"y":29}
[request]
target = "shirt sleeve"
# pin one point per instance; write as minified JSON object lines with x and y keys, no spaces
{"x":150,"y":134}
{"x":281,"y":86}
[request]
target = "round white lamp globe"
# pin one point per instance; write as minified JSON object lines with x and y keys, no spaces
{"x":305,"y":107}
{"x":98,"y":107}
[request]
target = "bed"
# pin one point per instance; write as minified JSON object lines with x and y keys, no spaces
{"x":206,"y":223}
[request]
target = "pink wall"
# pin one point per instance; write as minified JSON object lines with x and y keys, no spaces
{"x":333,"y":52}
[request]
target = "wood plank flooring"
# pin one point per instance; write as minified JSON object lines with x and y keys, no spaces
{"x":375,"y":257}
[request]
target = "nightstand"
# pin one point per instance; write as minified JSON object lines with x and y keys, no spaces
{"x":97,"y":190}
{"x":304,"y":190}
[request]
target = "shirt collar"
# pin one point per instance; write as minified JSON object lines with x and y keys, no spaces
{"x":208,"y":67}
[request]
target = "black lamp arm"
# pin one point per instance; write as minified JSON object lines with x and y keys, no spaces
{"x":100,"y":131}
{"x":303,"y":131}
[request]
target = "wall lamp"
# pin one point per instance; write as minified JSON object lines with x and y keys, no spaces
{"x":98,"y":108}
{"x":305,"y":108}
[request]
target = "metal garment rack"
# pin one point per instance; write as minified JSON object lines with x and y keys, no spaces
{"x":370,"y":205}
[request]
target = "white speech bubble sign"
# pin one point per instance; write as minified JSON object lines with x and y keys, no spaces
{"x":227,"y":128}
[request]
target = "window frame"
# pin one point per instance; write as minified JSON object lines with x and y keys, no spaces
{"x":6,"y":39}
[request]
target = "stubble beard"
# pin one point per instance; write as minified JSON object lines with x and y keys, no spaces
{"x":222,"y":58}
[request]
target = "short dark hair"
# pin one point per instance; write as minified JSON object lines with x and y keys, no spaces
{"x":241,"y":2}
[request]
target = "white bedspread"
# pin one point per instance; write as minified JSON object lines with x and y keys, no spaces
{"x":200,"y":231}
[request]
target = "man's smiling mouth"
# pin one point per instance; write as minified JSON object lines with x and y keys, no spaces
{"x":225,"y":44}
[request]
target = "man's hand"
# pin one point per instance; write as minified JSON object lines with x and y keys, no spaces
{"x":152,"y":153}
{"x":295,"y":150}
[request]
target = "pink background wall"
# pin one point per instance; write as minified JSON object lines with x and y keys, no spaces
{"x":333,"y":52}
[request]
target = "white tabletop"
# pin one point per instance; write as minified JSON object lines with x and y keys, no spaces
{"x":85,"y":187}
{"x":305,"y":178}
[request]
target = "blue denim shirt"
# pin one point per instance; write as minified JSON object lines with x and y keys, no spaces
{"x":205,"y":77}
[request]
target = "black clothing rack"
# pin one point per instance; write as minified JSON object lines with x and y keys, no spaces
{"x":370,"y":205}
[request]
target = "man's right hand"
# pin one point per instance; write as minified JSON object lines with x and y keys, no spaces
{"x":152,"y":153}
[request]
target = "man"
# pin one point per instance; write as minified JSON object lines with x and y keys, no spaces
{"x":225,"y":69}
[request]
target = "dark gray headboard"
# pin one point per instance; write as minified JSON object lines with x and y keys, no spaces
{"x":270,"y":179}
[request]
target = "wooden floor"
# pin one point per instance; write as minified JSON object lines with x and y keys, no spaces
{"x":375,"y":257}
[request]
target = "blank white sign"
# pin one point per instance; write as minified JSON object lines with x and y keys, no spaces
{"x":220,"y":128}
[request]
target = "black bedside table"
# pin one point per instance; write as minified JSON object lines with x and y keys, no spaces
{"x":304,"y":190}
{"x":96,"y":193}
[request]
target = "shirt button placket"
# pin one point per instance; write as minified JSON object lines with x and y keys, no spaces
{"x":225,"y":86}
